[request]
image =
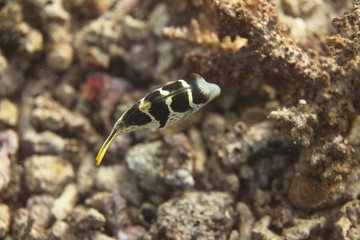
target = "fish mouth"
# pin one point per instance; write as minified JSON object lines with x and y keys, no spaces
{"x":215,"y":90}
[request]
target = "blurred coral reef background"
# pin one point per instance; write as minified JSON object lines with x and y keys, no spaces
{"x":276,"y":156}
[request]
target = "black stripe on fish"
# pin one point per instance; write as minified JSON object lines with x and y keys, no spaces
{"x":198,"y":96}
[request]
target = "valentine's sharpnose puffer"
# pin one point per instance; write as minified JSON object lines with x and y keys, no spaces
{"x":164,"y":107}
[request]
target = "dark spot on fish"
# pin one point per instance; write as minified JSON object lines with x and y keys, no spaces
{"x":198,"y":96}
{"x":152,"y":96}
{"x":180,"y":102}
{"x":173,"y":86}
{"x":160,"y":111}
{"x":134,"y":116}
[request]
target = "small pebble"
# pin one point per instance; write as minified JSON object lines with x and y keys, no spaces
{"x":48,"y":142}
{"x":307,"y":193}
{"x":47,"y":173}
{"x":302,"y":228}
{"x":135,"y":29}
{"x":246,"y":220}
{"x":132,"y":232}
{"x":21,"y":223}
{"x":61,"y":230}
{"x":146,"y":161}
{"x":261,"y":230}
{"x":341,"y":228}
{"x":118,"y":177}
{"x":4,"y":219}
{"x":85,"y":175}
{"x":101,"y":236}
{"x":9,"y":113}
{"x":87,"y":218}
{"x":9,"y":144}
{"x":65,"y":204}
{"x":114,"y":208}
{"x":39,"y":207}
{"x":60,"y":56}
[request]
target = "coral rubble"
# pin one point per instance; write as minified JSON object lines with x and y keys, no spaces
{"x":177,"y":217}
{"x":276,"y":156}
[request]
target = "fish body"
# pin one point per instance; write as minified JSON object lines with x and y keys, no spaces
{"x":164,"y":107}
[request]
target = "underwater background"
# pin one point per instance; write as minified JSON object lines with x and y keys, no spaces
{"x":275,"y":156}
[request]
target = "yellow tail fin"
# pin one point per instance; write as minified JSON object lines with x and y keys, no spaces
{"x":104,"y":148}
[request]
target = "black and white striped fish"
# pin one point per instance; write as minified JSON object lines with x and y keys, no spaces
{"x":164,"y":107}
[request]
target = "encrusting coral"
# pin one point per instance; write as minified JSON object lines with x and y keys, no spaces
{"x":318,"y":93}
{"x":206,"y":38}
{"x":274,"y":157}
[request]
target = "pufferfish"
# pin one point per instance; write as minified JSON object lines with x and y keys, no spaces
{"x":164,"y":107}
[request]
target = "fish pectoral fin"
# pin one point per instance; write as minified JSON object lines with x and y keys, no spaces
{"x":188,"y":115}
{"x":104,"y":148}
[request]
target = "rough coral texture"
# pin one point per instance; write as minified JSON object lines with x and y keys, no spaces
{"x":276,"y":156}
{"x":195,"y":215}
